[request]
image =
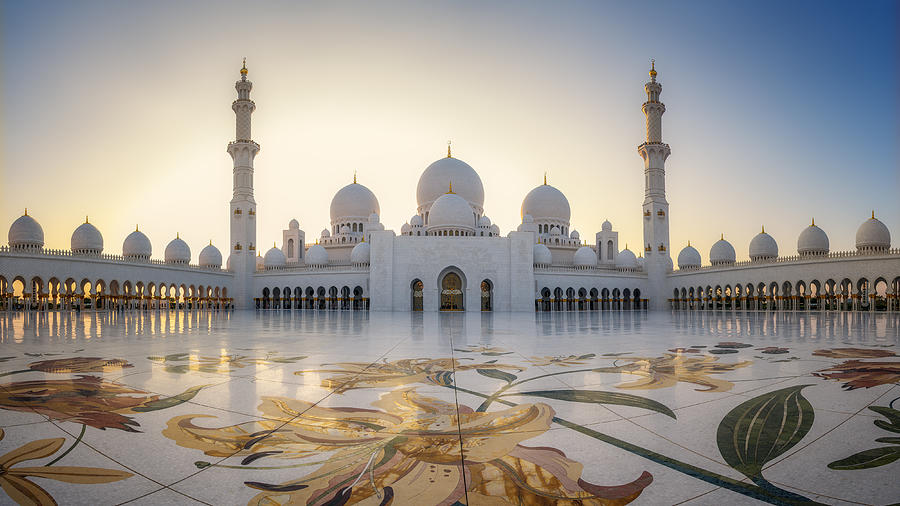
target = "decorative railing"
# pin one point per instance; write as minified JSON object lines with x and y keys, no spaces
{"x":796,"y":258}
{"x":600,"y":269}
{"x":298,"y":267}
{"x":49,"y":252}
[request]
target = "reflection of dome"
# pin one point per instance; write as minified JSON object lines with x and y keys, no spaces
{"x":353,"y":201}
{"x":294,"y":224}
{"x":585,"y":257}
{"x":689,"y":258}
{"x":438,"y":176}
{"x":722,"y":252}
{"x":451,"y":211}
{"x":763,"y":247}
{"x":415,"y":221}
{"x":872,"y":235}
{"x":316,"y":255}
{"x":137,"y":246}
{"x":606,"y":227}
{"x":26,"y":232}
{"x":812,"y":241}
{"x":360,"y":254}
{"x":87,"y":239}
{"x":626,"y":260}
{"x":210,"y":256}
{"x":546,"y":203}
{"x":178,"y":252}
{"x":542,"y":255}
{"x":274,"y":258}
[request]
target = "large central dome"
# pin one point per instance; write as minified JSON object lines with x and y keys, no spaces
{"x":353,"y":202}
{"x":436,"y":180}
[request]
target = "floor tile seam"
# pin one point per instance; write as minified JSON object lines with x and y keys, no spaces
{"x":798,"y":450}
{"x":679,"y":445}
{"x":333,"y":391}
{"x":814,"y":493}
{"x":160,"y":490}
{"x":462,"y":455}
{"x":685,"y":501}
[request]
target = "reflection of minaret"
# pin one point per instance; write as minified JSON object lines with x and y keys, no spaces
{"x":655,"y":207}
{"x":243,"y":207}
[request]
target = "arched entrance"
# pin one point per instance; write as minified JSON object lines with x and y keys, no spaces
{"x":452,"y":292}
{"x":487,"y":296}
{"x":418,"y":291}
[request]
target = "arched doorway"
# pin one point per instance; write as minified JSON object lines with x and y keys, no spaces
{"x":452,"y":292}
{"x":418,"y":291}
{"x":487,"y":296}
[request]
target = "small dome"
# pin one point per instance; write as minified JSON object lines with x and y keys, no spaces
{"x":260,"y":263}
{"x":326,"y":232}
{"x":178,"y":252}
{"x":345,"y":229}
{"x":546,"y":202}
{"x":689,"y":258}
{"x":26,"y":232}
{"x":554,"y":230}
{"x":484,"y":221}
{"x":228,"y":263}
{"x":294,"y":224}
{"x":373,"y":218}
{"x":451,"y":211}
{"x":575,"y":235}
{"x":528,"y":219}
{"x":722,"y":252}
{"x":274,"y":258}
{"x":626,"y":260}
{"x":437,"y":177}
{"x":405,"y":228}
{"x":640,"y":262}
{"x":542,"y":255}
{"x":137,"y":246}
{"x":317,"y":255}
{"x":495,"y":230}
{"x":585,"y":257}
{"x":763,"y":247}
{"x":606,"y":226}
{"x":812,"y":241}
{"x":415,"y":221}
{"x":210,"y":256}
{"x":360,"y":254}
{"x":353,"y":201}
{"x":87,"y":239}
{"x":872,"y":235}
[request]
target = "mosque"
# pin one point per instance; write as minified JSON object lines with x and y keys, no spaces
{"x":449,"y":256}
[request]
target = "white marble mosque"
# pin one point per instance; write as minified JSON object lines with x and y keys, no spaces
{"x":449,"y":256}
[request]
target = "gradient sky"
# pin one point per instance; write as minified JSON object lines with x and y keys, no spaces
{"x":776,"y":112}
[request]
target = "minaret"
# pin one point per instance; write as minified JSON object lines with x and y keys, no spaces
{"x":243,"y":207}
{"x":655,"y":207}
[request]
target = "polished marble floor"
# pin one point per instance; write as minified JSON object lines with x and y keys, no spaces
{"x":371,"y":408}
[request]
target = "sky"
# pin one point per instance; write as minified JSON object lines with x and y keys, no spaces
{"x":777,"y":112}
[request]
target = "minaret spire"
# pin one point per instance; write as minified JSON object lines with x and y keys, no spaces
{"x":242,"y":217}
{"x":655,"y":207}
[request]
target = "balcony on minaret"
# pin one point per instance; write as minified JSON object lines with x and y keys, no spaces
{"x":661,"y":247}
{"x":647,"y":213}
{"x":648,"y":249}
{"x":660,"y":213}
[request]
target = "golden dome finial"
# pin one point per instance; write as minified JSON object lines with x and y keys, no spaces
{"x":210,"y":242}
{"x":26,"y":211}
{"x":448,"y":150}
{"x":273,"y":244}
{"x":722,"y":238}
{"x":873,"y":214}
{"x":244,"y":68}
{"x":86,"y":219}
{"x":545,"y":177}
{"x":689,"y":242}
{"x":451,"y":187}
{"x":354,"y":177}
{"x":653,"y":69}
{"x":763,"y":229}
{"x":177,"y":235}
{"x":813,"y":224}
{"x":136,"y":227}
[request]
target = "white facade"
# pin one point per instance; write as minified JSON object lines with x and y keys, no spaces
{"x":449,"y":255}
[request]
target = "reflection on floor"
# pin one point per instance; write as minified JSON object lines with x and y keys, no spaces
{"x":345,"y":408}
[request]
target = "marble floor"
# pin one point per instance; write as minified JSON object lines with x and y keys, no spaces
{"x":333,"y":408}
